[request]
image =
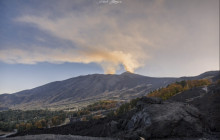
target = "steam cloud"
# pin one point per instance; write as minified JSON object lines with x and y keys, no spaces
{"x":105,"y":42}
{"x":109,"y":61}
{"x":160,"y":33}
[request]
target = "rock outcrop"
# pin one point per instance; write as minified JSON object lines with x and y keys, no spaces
{"x":156,"y":119}
{"x":207,"y":101}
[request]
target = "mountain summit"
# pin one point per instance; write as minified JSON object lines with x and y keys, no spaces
{"x":127,"y":72}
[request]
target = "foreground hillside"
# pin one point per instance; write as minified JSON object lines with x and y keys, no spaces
{"x":207,"y":100}
{"x":83,"y":90}
{"x":184,"y":115}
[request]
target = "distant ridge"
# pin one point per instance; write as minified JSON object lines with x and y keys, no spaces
{"x":82,"y":90}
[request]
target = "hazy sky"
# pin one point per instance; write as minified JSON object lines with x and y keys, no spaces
{"x":47,"y":40}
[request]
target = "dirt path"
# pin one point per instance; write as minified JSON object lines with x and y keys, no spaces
{"x":8,"y":134}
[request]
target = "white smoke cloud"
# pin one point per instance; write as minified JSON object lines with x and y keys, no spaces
{"x":97,"y":39}
{"x":110,"y":61}
{"x":129,"y":34}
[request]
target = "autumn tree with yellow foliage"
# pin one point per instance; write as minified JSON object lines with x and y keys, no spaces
{"x":172,"y":89}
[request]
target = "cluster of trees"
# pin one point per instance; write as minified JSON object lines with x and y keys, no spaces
{"x":79,"y":113}
{"x":87,"y":112}
{"x":7,"y":126}
{"x":32,"y":119}
{"x":124,"y":108}
{"x":172,"y":89}
{"x":218,"y":82}
{"x":26,"y":120}
{"x":102,"y":105}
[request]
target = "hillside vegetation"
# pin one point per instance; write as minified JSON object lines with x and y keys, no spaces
{"x":164,"y":93}
{"x":102,"y":105}
{"x":172,"y":89}
{"x":32,"y":119}
{"x":26,"y":120}
{"x":70,"y":93}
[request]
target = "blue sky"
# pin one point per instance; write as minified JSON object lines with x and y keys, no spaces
{"x":48,"y":40}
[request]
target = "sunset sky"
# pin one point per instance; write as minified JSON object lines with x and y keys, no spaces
{"x":48,"y":40}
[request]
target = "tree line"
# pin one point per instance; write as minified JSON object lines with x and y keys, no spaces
{"x":172,"y":89}
{"x":32,"y":119}
{"x":26,"y":120}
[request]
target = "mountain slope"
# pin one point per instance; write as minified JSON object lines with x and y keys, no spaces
{"x":206,"y":99}
{"x":85,"y":89}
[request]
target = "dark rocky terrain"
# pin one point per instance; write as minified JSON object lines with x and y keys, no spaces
{"x":152,"y":118}
{"x":83,"y":90}
{"x":207,"y":100}
{"x":55,"y":137}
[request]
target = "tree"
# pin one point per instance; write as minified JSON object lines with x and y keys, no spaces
{"x":21,"y":127}
{"x":38,"y":124}
{"x":43,"y":122}
{"x":28,"y":126}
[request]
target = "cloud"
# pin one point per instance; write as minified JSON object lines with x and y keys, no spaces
{"x":110,"y":61}
{"x":96,"y":38}
{"x":129,"y":34}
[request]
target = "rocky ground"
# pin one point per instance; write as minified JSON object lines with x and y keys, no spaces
{"x":72,"y":137}
{"x":191,"y":115}
{"x":55,"y":137}
{"x":207,"y":100}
